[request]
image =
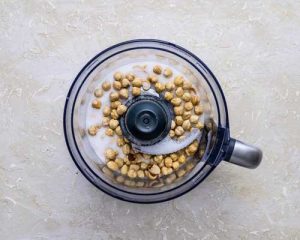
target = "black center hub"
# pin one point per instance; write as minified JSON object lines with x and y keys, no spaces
{"x":147,"y":120}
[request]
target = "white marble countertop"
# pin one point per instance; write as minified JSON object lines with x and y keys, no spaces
{"x":253,"y":49}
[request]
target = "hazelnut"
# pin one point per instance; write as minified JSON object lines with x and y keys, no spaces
{"x":125,"y":83}
{"x":194,"y":119}
{"x":136,"y":91}
{"x":112,"y":165}
{"x":124,"y":93}
{"x":157,"y":69}
{"x":106,"y":86}
{"x":120,"y":179}
{"x":175,"y":165}
{"x":199,"y":125}
{"x":134,"y":167}
{"x":114,"y":114}
{"x":168,"y":96}
{"x":186,"y":115}
{"x":195,"y":100}
{"x":140,"y":174}
{"x":119,"y":162}
{"x":124,"y":169}
{"x":168,"y":162}
{"x":154,"y":169}
{"x":118,"y":76}
{"x":96,"y":104}
{"x":179,"y":92}
{"x":178,"y":81}
{"x":126,"y":149}
{"x":121,"y":110}
{"x":158,"y":158}
{"x":109,"y":132}
{"x":120,"y":141}
{"x":188,"y":106}
{"x":176,"y":101}
{"x":178,"y":110}
{"x":98,"y":92}
{"x":181,"y":173}
{"x":179,"y":131}
{"x":186,"y":97}
{"x":118,"y":131}
{"x":146,"y":85}
{"x":168,"y":72}
{"x":110,"y":154}
{"x":117,"y":85}
{"x":173,"y":124}
{"x":174,"y":156}
{"x":93,"y":130}
{"x":113,"y":124}
{"x":187,"y":85}
{"x":153,"y":79}
{"x":178,"y":120}
{"x":130,"y":76}
{"x":198,"y":110}
{"x":186,"y":125}
{"x":144,"y":165}
{"x":170,"y":86}
{"x":159,"y":87}
{"x":171,"y":179}
{"x":105,"y":121}
{"x":172,"y":133}
{"x":114,"y":96}
{"x":182,"y":158}
{"x":137,"y":82}
{"x":106,"y":111}
{"x":131,"y":173}
{"x":115,"y":104}
{"x":164,"y":171}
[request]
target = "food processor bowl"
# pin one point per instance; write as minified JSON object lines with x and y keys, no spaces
{"x":215,"y":143}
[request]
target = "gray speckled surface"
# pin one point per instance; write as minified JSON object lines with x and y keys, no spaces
{"x":252,"y":47}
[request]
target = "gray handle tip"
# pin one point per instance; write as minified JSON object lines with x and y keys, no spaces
{"x":245,"y":155}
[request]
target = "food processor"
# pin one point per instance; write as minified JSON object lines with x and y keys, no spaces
{"x":147,"y":123}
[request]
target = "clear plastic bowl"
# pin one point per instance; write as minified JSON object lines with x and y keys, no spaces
{"x":217,"y":146}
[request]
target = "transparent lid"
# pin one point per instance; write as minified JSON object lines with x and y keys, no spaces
{"x":112,"y":88}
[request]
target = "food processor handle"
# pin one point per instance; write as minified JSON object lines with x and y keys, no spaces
{"x":243,"y":154}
